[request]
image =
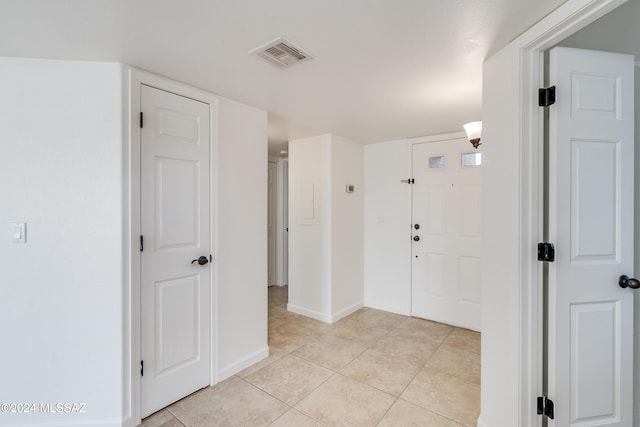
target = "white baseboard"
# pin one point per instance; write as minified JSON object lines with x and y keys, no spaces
{"x":323,"y":317}
{"x":346,"y":311}
{"x":242,"y":364}
{"x":309,"y":313}
{"x":88,"y":423}
{"x":405,"y":311}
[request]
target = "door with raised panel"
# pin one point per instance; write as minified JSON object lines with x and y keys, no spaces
{"x":590,"y":333}
{"x":175,"y":268}
{"x":446,"y":229}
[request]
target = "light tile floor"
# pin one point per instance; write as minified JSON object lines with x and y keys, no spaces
{"x":371,"y":368}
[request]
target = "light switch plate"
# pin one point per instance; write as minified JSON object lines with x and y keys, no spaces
{"x":19,"y":232}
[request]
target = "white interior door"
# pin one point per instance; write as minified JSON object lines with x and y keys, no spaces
{"x":446,"y":220}
{"x":271,"y":222}
{"x":175,"y":322}
{"x":285,"y":216}
{"x":590,"y":337}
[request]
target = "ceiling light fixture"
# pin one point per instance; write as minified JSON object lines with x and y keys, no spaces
{"x":474,"y":131}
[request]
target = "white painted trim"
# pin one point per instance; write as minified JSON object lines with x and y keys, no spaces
{"x":114,"y":423}
{"x":244,"y":363}
{"x":346,"y":311}
{"x":390,"y":308}
{"x":132,"y":219}
{"x":481,"y":423}
{"x":309,"y":313}
{"x":128,"y":386}
{"x":437,"y":138}
{"x":527,"y":49}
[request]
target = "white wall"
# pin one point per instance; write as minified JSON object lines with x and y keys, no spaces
{"x":500,"y":246}
{"x":61,"y":138}
{"x":325,"y":227}
{"x":241,"y":258}
{"x":387,"y":217}
{"x":347,"y":230}
{"x":310,"y":227}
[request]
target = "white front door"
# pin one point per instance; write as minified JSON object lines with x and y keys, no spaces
{"x":590,"y":334}
{"x":446,"y":197}
{"x":175,"y":312}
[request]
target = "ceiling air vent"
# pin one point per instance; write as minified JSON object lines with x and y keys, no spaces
{"x":281,"y":53}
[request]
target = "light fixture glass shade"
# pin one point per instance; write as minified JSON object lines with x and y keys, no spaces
{"x":474,"y":132}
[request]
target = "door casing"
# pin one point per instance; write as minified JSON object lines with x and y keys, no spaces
{"x":566,"y":20}
{"x":131,"y":215}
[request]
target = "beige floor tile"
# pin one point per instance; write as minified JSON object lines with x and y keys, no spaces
{"x":161,"y":418}
{"x":406,"y":414}
{"x":237,"y":404}
{"x":389,"y":374}
{"x":357,"y":331}
{"x":376,"y":354}
{"x":315,"y":326}
{"x":413,"y":350}
{"x":445,"y":395}
{"x":287,"y":338}
{"x":294,"y":418}
{"x":290,"y":378}
{"x":342,"y":401}
{"x":456,"y":362}
{"x":414,"y":327}
{"x":464,"y":339}
{"x":257,"y":366}
{"x":377,"y":318}
{"x":330,"y":351}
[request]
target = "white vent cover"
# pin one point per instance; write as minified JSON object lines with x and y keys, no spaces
{"x":281,"y":53}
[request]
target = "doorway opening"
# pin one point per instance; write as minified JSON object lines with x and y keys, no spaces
{"x":278,"y":221}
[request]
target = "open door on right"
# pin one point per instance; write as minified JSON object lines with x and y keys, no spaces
{"x":590,"y":221}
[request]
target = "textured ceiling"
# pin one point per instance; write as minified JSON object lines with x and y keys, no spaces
{"x":382,"y":70}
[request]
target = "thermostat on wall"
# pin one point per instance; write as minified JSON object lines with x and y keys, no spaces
{"x":349,"y":188}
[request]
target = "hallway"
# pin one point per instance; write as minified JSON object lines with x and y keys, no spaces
{"x":371,"y":368}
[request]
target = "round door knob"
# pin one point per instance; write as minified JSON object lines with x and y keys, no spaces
{"x":627,"y":282}
{"x":416,"y":238}
{"x":202,"y":260}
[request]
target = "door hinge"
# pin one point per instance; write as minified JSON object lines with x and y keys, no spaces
{"x":545,"y":407}
{"x":546,"y":96}
{"x":546,"y":252}
{"x":408,"y":181}
{"x":142,"y":368}
{"x":141,"y":243}
{"x":141,"y":120}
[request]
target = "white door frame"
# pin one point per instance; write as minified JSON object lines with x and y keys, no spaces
{"x":131,"y":216}
{"x":566,"y":20}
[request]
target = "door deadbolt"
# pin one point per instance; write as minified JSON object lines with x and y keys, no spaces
{"x":417,"y":226}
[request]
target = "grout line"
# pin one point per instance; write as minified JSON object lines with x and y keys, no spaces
{"x":366,"y":347}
